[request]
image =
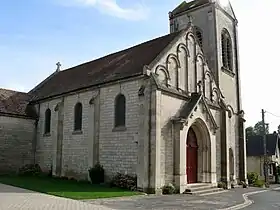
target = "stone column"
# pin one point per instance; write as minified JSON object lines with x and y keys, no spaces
{"x":179,"y":139}
{"x":94,"y":130}
{"x":58,"y":142}
{"x":213,"y":159}
{"x":242,"y":151}
{"x":224,"y":150}
{"x":155,"y":147}
{"x":143,"y":142}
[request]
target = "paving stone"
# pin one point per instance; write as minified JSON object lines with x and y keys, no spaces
{"x":12,"y":198}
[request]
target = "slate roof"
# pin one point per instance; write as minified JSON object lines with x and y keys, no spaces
{"x":123,"y":64}
{"x":255,"y":145}
{"x":184,"y":6}
{"x":13,"y":102}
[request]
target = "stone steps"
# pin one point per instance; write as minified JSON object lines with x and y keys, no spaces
{"x":202,"y":189}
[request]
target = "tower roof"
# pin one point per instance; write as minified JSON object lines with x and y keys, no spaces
{"x":184,"y":6}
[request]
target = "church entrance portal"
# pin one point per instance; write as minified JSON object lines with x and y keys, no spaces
{"x":192,"y":157}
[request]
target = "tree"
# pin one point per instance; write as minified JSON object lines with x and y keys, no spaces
{"x":249,"y":132}
{"x":259,"y":127}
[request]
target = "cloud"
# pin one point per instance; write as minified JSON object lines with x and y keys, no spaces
{"x":111,"y":7}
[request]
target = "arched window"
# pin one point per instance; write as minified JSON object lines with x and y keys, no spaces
{"x":227,"y":50}
{"x":78,"y":117}
{"x":48,"y":121}
{"x":120,"y":110}
{"x":199,"y":35}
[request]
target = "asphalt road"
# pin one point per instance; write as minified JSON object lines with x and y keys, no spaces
{"x":269,"y":200}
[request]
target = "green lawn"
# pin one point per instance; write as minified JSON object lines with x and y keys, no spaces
{"x":65,"y":188}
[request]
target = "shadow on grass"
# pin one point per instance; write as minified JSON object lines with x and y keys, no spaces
{"x":62,"y":188}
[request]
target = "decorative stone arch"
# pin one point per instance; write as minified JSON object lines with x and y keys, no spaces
{"x":190,"y":34}
{"x":174,"y":57}
{"x":161,"y":68}
{"x":208,"y":73}
{"x":216,"y":92}
{"x":200,"y":55}
{"x":206,"y":76}
{"x":230,"y":111}
{"x":183,"y":46}
{"x":204,"y":150}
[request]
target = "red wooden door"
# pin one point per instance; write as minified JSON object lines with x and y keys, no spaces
{"x":191,"y":157}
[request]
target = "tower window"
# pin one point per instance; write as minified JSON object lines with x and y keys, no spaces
{"x":227,"y":50}
{"x":199,"y":36}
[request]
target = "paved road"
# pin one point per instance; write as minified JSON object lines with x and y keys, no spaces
{"x":269,"y":200}
{"x":12,"y":198}
{"x":177,"y":202}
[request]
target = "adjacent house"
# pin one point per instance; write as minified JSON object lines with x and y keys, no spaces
{"x":255,"y":154}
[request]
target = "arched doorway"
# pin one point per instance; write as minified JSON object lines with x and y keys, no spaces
{"x":192,"y":157}
{"x":198,"y":149}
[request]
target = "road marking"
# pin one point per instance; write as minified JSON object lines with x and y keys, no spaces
{"x":247,"y":201}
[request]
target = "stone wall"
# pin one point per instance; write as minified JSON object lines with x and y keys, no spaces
{"x":16,"y":137}
{"x":98,"y":141}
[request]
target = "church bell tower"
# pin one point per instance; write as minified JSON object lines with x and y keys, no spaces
{"x":215,"y":26}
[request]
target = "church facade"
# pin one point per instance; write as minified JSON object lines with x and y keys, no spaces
{"x":167,"y":110}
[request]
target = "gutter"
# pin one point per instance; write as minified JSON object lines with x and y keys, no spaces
{"x":16,"y":115}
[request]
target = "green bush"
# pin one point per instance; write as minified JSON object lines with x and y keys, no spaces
{"x":259,"y":183}
{"x":30,"y":170}
{"x":168,"y":189}
{"x":252,"y":177}
{"x":124,"y":181}
{"x":96,"y":174}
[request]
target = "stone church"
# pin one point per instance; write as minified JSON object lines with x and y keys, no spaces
{"x":167,"y":110}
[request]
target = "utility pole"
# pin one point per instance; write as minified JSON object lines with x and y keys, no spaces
{"x":264,"y":148}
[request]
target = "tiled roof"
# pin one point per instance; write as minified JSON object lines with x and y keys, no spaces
{"x":123,"y":64}
{"x":13,"y":102}
{"x":184,"y":6}
{"x":255,"y":145}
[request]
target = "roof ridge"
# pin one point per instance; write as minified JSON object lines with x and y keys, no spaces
{"x":16,"y":91}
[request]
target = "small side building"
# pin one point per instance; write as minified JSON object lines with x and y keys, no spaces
{"x":255,"y":154}
{"x":17,"y":129}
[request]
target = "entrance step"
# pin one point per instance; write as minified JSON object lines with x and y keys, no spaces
{"x":202,"y":189}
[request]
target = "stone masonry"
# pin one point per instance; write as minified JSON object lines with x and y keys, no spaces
{"x":16,"y":143}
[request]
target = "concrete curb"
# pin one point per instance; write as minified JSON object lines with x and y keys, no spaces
{"x":247,"y":201}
